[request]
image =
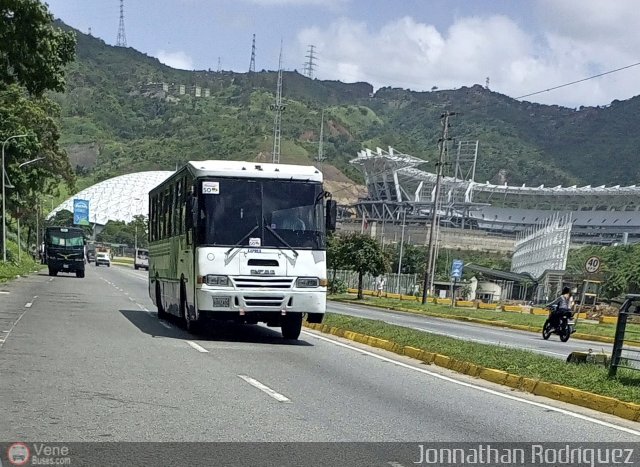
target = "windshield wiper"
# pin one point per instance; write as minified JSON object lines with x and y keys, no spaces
{"x":239,"y":243}
{"x":284,"y":242}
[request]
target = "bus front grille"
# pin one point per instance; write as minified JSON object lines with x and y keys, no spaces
{"x":263,"y":282}
{"x":267,"y":301}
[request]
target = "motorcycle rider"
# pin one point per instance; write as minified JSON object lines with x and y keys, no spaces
{"x":563,"y":305}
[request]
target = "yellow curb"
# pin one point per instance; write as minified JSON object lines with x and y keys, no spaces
{"x":442,"y":360}
{"x":413,"y":352}
{"x":610,"y":405}
{"x":495,"y":376}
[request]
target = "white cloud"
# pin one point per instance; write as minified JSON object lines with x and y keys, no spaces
{"x":323,"y":3}
{"x":574,"y":44}
{"x":177,"y":59}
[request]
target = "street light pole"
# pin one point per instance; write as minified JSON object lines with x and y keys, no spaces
{"x":4,"y":209}
{"x":404,"y":218}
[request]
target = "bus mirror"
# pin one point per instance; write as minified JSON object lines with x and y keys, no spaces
{"x":332,"y":215}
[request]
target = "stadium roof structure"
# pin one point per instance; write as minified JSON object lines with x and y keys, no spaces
{"x":119,"y":198}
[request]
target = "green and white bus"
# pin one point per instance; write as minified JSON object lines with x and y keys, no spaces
{"x":240,"y":241}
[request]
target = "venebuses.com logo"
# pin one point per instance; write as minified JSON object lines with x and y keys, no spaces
{"x":18,"y":454}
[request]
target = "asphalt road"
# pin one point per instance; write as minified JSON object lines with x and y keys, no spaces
{"x":474,"y":332}
{"x":85,"y":360}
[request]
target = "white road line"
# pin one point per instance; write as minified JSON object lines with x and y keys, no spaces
{"x":168,"y":326}
{"x":51,"y":280}
{"x":131,"y":299}
{"x":197,"y":347}
{"x":12,"y":327}
{"x":478,"y":388}
{"x":266,"y":389}
{"x":28,"y":305}
{"x":4,"y":292}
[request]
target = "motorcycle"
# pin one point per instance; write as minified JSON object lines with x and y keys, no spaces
{"x":566,"y":325}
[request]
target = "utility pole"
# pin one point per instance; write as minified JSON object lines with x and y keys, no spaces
{"x":404,"y":219}
{"x":430,"y":269}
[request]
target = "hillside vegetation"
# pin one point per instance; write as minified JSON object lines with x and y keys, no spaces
{"x":113,"y":123}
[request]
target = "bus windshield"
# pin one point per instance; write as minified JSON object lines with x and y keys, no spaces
{"x":65,"y":238}
{"x":268,"y":209}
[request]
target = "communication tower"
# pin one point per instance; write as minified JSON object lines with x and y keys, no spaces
{"x":252,"y":64}
{"x":278,"y":108}
{"x":121,"y":41}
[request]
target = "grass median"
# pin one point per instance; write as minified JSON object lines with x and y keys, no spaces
{"x":496,"y":317}
{"x":14,"y":268}
{"x":588,"y":377}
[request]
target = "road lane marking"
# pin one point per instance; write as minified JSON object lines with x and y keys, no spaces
{"x":168,"y":326}
{"x":196,"y":346}
{"x":478,"y":388}
{"x":4,"y":292}
{"x":131,"y":299}
{"x":28,"y":305}
{"x":264,"y":388}
{"x":51,"y":280}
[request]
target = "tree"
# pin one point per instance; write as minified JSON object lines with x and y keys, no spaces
{"x":33,"y":53}
{"x":363,"y":254}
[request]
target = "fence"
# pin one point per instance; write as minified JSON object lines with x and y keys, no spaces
{"x":394,"y":283}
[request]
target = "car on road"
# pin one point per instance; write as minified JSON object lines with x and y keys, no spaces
{"x":103,"y":258}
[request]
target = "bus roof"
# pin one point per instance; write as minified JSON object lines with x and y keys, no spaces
{"x":254,"y":169}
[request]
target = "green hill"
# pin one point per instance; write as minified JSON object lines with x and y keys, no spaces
{"x":114,"y":121}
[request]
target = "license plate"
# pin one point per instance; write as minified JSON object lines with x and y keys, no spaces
{"x":221,"y":302}
{"x":66,"y":266}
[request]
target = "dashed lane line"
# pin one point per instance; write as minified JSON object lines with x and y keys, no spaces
{"x":266,"y":389}
{"x":197,"y":347}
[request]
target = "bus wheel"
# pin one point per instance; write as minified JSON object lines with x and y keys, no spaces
{"x":291,"y":325}
{"x":190,"y":325}
{"x":80,"y":273}
{"x":52,"y":272}
{"x":161,"y":313}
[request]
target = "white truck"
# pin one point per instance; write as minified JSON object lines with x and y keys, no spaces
{"x":141,"y":259}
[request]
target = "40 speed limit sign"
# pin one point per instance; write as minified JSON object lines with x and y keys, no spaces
{"x":592,"y":265}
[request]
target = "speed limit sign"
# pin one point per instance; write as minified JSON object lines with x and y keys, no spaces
{"x":592,"y":265}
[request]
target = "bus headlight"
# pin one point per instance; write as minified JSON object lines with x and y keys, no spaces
{"x":212,"y":279}
{"x":307,"y":282}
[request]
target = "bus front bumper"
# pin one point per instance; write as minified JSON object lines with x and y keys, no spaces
{"x":271,"y":301}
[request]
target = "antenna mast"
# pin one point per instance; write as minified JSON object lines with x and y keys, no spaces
{"x":252,"y":64}
{"x":310,"y":65}
{"x":320,"y":148}
{"x":121,"y":41}
{"x":278,"y":108}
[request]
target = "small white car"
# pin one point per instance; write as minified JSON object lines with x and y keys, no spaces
{"x":103,"y":258}
{"x":141,"y":260}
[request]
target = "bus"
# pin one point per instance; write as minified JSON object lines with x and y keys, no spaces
{"x":64,"y":250}
{"x":240,"y":241}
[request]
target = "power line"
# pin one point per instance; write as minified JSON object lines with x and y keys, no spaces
{"x":578,"y":81}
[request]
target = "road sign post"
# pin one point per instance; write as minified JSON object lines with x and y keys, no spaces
{"x":456,"y":274}
{"x":592,"y":265}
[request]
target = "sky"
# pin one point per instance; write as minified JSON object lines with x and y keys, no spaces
{"x":520,"y":47}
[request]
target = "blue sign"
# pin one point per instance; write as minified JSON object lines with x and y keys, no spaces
{"x":81,"y":212}
{"x":456,"y":269}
